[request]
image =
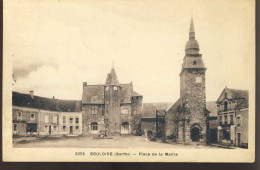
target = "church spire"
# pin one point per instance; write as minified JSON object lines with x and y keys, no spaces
{"x":192,"y":30}
{"x":192,"y":57}
{"x":192,"y":46}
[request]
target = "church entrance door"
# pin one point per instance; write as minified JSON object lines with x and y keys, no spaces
{"x":195,"y":134}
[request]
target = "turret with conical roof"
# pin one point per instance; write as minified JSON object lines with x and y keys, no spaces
{"x":112,"y":102}
{"x":112,"y":78}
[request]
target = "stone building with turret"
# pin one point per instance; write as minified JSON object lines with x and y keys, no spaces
{"x":111,"y":107}
{"x":186,"y":120}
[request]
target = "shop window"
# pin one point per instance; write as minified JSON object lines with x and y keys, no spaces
{"x":31,"y":127}
{"x":226,"y":134}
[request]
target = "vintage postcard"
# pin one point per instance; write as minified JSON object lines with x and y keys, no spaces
{"x":129,"y":81}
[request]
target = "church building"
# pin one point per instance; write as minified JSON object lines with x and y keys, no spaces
{"x":186,"y":120}
{"x":112,"y":107}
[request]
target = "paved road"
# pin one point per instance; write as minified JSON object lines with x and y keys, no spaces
{"x":116,"y":142}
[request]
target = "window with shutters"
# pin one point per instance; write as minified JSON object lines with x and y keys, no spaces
{"x":46,"y":119}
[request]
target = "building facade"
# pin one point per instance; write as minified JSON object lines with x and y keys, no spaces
{"x":34,"y":115}
{"x":232,"y":106}
{"x":187,"y":118}
{"x":112,"y":107}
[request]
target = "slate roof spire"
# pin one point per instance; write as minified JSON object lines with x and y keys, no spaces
{"x":112,"y":78}
{"x":192,"y":30}
{"x":192,"y":46}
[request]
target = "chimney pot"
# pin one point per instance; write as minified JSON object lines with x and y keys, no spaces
{"x":84,"y":84}
{"x":31,"y":93}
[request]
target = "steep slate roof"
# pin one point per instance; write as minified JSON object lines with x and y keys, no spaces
{"x":112,"y":78}
{"x":93,"y":94}
{"x":149,"y":109}
{"x":236,"y":94}
{"x":135,"y":94}
{"x":175,"y":107}
{"x":126,"y":93}
{"x":211,"y":107}
{"x":37,"y":102}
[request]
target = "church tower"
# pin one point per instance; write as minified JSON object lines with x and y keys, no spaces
{"x":112,"y":102}
{"x":192,"y":126}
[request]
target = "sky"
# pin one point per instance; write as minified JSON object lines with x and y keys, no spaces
{"x":55,"y":46}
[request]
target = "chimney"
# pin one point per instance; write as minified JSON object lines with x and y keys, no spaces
{"x":31,"y":93}
{"x":84,"y":85}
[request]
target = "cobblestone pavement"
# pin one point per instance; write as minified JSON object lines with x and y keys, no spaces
{"x":116,"y":142}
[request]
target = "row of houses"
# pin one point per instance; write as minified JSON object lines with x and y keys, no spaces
{"x":34,"y":115}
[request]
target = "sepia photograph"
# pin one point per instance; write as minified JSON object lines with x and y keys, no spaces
{"x":129,"y":81}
